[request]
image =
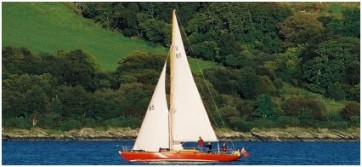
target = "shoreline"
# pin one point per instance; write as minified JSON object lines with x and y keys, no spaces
{"x":117,"y":134}
{"x":220,"y":139}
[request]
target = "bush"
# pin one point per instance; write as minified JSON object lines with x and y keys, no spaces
{"x":265,"y":123}
{"x":355,"y":121}
{"x":241,"y":125}
{"x":70,"y":124}
{"x":19,"y":122}
{"x":122,"y":122}
{"x":246,"y":107}
{"x":89,"y":122}
{"x":351,"y":109}
{"x":278,"y":83}
{"x":336,"y":92}
{"x":352,"y":93}
{"x":285,"y":121}
{"x":265,"y":107}
{"x":334,"y":125}
{"x":301,"y":107}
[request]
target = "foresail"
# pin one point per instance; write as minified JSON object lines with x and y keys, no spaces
{"x":189,"y":117}
{"x":154,"y":132}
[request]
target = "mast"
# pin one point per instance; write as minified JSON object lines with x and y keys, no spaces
{"x":172,"y":74}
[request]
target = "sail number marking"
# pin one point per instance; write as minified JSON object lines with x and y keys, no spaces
{"x":178,"y":55}
{"x":152,"y":107}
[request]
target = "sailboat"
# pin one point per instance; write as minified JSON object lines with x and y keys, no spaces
{"x":165,"y":129}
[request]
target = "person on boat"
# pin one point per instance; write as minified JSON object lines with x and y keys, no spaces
{"x":224,"y":148}
{"x":209,"y":147}
{"x":200,"y":143}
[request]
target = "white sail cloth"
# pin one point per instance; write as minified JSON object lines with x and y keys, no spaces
{"x":154,"y":132}
{"x":189,"y":117}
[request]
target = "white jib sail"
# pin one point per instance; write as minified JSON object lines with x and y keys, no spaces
{"x":189,"y":117}
{"x":154,"y":132}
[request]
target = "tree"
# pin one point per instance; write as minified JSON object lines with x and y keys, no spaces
{"x":287,"y":63}
{"x":156,"y":31}
{"x":139,"y":67}
{"x":330,"y":65}
{"x":73,"y":101}
{"x":265,"y":86}
{"x":348,"y":26}
{"x":207,"y":50}
{"x":20,"y":61}
{"x":303,"y":108}
{"x":137,"y":97}
{"x":350,"y":110}
{"x":264,"y":107}
{"x":37,"y":104}
{"x":300,"y":29}
{"x":80,"y":69}
{"x":247,"y":84}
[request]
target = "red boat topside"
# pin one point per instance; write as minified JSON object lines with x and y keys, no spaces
{"x":179,"y":156}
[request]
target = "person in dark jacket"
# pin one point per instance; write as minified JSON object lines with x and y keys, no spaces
{"x":209,"y":147}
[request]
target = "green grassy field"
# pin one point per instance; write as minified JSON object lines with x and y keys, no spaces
{"x":50,"y":27}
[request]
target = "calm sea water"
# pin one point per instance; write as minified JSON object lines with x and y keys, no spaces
{"x":106,"y":153}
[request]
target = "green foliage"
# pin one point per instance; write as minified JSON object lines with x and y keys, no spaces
{"x":70,"y":124}
{"x":264,"y":107}
{"x":89,"y":122}
{"x":305,"y":110}
{"x":329,"y":66}
{"x":20,"y":61}
{"x":287,"y":63}
{"x":336,"y":92}
{"x":207,"y":50}
{"x":73,"y":101}
{"x":81,"y":69}
{"x":261,"y":45}
{"x":122,"y":122}
{"x":140,"y":67}
{"x":265,"y":86}
{"x":18,"y":122}
{"x":286,"y":121}
{"x":300,"y":29}
{"x":351,"y":111}
{"x":349,"y":25}
{"x":265,"y":123}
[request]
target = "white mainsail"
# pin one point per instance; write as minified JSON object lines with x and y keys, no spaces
{"x":189,"y":119}
{"x":154,"y":132}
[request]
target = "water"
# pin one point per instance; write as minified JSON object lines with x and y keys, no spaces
{"x":106,"y":153}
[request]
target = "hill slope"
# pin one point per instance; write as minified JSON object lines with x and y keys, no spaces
{"x":50,"y":27}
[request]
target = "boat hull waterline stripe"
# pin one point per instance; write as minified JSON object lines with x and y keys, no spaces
{"x":187,"y":156}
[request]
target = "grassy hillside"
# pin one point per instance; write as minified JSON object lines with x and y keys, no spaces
{"x":50,"y":27}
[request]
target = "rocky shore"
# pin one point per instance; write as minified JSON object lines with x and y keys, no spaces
{"x":288,"y":134}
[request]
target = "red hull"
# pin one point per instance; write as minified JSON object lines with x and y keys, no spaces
{"x":178,"y":156}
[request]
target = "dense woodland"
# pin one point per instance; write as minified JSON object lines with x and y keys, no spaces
{"x":262,"y":48}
